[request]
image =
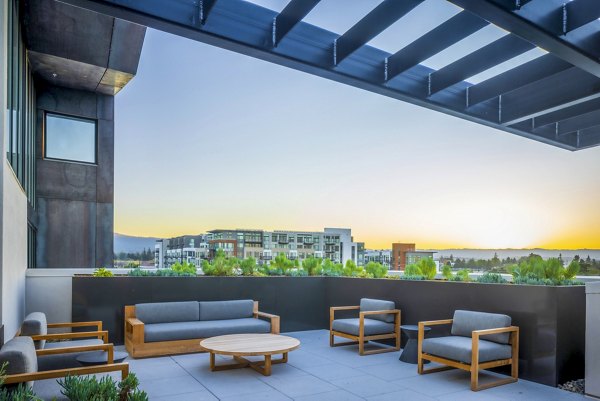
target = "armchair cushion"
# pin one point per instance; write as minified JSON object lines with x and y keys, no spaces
{"x":35,"y":324}
{"x":367,"y":305}
{"x":372,"y":326}
{"x":467,"y":321}
{"x":20,"y":355}
{"x":458,"y":348}
{"x":167,"y":312}
{"x":223,"y":310}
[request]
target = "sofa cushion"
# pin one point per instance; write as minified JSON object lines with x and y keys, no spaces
{"x":467,"y":321}
{"x":367,"y":304}
{"x":222,"y":310}
{"x":20,"y":355}
{"x":63,"y":361}
{"x":458,"y":348}
{"x":167,"y":312}
{"x":372,"y":326}
{"x":35,"y":324}
{"x":203,"y":329}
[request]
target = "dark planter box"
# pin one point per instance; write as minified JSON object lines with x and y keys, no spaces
{"x":551,"y":319}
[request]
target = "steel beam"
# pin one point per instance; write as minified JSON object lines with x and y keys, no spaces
{"x":503,"y":49}
{"x":578,"y":123}
{"x":534,"y":70}
{"x":539,"y":35}
{"x":569,"y":88}
{"x":377,"y":21}
{"x":290,"y":16}
{"x":578,"y":13}
{"x":566,"y":113}
{"x":206,"y":7}
{"x":588,"y":137}
{"x":443,"y":36}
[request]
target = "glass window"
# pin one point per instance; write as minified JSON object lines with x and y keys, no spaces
{"x":70,"y":138}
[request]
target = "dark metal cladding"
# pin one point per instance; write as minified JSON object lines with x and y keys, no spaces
{"x":579,"y":13}
{"x":290,"y":16}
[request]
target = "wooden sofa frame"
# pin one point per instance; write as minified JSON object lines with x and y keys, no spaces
{"x":361,"y":338}
{"x":474,"y":367}
{"x":138,"y":348}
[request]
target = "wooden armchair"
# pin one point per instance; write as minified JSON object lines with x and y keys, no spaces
{"x":21,"y":355}
{"x":378,"y":320}
{"x":472,"y":354}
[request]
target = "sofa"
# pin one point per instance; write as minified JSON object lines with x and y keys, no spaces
{"x":168,"y":328}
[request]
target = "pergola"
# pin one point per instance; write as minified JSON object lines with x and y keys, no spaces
{"x":554,"y":98}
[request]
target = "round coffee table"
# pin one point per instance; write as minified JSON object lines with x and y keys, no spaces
{"x":100,"y":357}
{"x":409,"y":353}
{"x":240,"y":345}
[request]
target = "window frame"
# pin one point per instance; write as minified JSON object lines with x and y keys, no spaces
{"x":71,"y":117}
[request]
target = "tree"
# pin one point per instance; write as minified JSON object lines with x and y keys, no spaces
{"x":375,"y":269}
{"x":248,"y":266}
{"x":312,"y":266}
{"x":428,"y":268}
{"x":447,"y":272}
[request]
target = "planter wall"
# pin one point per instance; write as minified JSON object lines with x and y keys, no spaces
{"x":551,"y":319}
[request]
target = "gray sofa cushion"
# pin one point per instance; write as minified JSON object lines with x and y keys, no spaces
{"x":20,"y":355}
{"x":222,"y":310}
{"x":203,"y":329}
{"x":35,"y":324}
{"x":467,"y":321}
{"x":367,"y":304}
{"x":458,"y":348}
{"x":372,"y":326}
{"x":166,"y":312}
{"x":63,"y":361}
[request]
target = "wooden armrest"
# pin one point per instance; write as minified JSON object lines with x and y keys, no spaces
{"x":435,"y":322}
{"x":380,"y":312}
{"x":266,"y":315}
{"x":97,"y":324}
{"x":54,"y":374}
{"x":334,"y":308}
{"x":275,"y":321}
{"x":477,"y":333}
{"x":133,"y":321}
{"x":109,"y":348}
{"x":68,"y":336}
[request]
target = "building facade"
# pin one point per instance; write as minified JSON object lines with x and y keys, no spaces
{"x":383,"y":256}
{"x":336,"y":244}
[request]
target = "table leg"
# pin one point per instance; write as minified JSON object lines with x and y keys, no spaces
{"x":267,"y":368}
{"x":212,"y":361}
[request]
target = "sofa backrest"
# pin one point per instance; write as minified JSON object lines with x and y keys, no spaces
{"x":367,"y":305}
{"x":167,"y":312}
{"x":224,"y":310}
{"x":466,"y":321}
{"x":35,"y":324}
{"x":20,"y":355}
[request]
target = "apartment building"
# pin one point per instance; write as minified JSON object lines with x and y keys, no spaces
{"x":405,"y":254}
{"x":186,"y":248}
{"x":383,"y":256}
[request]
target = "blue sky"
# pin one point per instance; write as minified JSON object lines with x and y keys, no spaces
{"x":207,"y":138}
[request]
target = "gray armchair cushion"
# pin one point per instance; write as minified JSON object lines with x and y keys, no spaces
{"x":372,"y":326}
{"x":367,"y":304}
{"x":458,"y":348}
{"x":467,"y":321}
{"x":222,"y":310}
{"x":64,"y":361}
{"x":20,"y":355}
{"x":203,"y":329}
{"x":35,"y":325}
{"x":166,"y":312}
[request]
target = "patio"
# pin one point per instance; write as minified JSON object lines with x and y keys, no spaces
{"x":314,"y":372}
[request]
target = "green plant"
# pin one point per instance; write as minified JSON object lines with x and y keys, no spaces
{"x":22,"y":392}
{"x":248,"y":267}
{"x":428,"y":268}
{"x":332,"y":269}
{"x":412,"y":270}
{"x":89,"y":388}
{"x":447,"y":272}
{"x":572,"y":270}
{"x":184,"y":268}
{"x":281,"y":263}
{"x":377,"y":270}
{"x":412,"y":277}
{"x":491,"y":278}
{"x":533,"y":270}
{"x":132,"y":265}
{"x":351,"y":269}
{"x":312,"y":266}
{"x":103,"y":272}
{"x":463,"y":275}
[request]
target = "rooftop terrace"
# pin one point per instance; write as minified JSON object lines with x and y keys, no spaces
{"x":315,"y":372}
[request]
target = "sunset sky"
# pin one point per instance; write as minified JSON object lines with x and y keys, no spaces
{"x":207,"y":138}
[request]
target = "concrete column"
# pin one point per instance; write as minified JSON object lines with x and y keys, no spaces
{"x":592,"y":345}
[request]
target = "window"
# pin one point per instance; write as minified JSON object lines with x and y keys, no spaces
{"x":70,"y":138}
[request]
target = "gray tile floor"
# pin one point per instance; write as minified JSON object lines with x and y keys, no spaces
{"x":315,"y":372}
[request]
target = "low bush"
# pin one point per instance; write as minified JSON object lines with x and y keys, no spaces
{"x":89,"y":388}
{"x":491,"y":278}
{"x":103,"y":272}
{"x":377,"y":270}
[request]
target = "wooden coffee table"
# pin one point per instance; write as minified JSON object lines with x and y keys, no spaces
{"x":241,"y":345}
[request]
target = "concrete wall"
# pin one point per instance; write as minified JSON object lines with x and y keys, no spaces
{"x":74,"y":215}
{"x":592,"y":345}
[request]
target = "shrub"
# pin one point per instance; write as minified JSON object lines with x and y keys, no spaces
{"x":20,"y":393}
{"x":312,"y":266}
{"x":447,"y":272}
{"x":351,"y":270}
{"x":428,"y":268}
{"x":184,"y":268}
{"x":412,"y":270}
{"x":533,"y":270}
{"x":463,"y":275}
{"x":248,"y":267}
{"x":376,"y":269}
{"x":491,"y":278}
{"x":332,"y":269}
{"x":103,"y":272}
{"x":412,"y":277}
{"x":281,"y":264}
{"x":89,"y":388}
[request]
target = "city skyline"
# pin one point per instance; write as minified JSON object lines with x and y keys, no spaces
{"x":322,"y":154}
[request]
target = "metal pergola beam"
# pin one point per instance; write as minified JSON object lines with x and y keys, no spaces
{"x":206,"y":7}
{"x":578,"y":123}
{"x":539,"y":35}
{"x":566,"y":113}
{"x":532,"y":71}
{"x":290,"y":16}
{"x":443,"y":36}
{"x":578,"y":13}
{"x":500,"y":50}
{"x":378,"y":20}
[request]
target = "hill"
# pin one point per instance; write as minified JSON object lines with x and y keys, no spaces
{"x":129,"y":243}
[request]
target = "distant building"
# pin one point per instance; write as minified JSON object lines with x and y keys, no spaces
{"x":336,"y":244}
{"x":405,"y":254}
{"x":383,"y":256}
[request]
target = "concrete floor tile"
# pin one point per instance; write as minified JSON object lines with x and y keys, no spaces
{"x":366,"y":385}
